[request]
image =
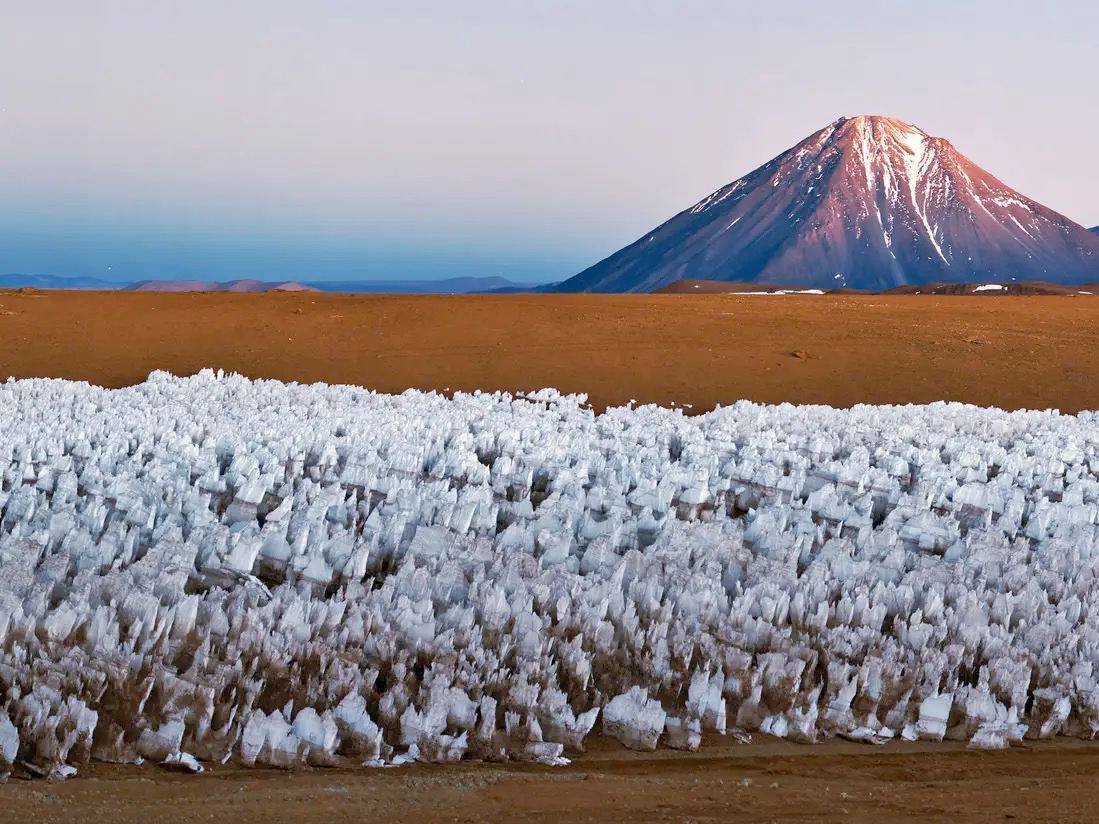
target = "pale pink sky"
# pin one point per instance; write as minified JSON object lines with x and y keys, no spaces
{"x":427,"y":139}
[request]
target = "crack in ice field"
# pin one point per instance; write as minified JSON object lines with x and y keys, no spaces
{"x":209,"y":569}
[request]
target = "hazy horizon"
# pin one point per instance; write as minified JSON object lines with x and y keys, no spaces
{"x":419,"y":140}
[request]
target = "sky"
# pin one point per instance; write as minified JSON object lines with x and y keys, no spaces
{"x":325,"y":140}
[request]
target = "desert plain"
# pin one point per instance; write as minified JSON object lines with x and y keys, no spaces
{"x":691,"y":351}
{"x":696,"y":351}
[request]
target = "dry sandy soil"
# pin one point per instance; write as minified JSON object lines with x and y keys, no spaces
{"x":765,"y":781}
{"x":702,"y":350}
{"x":696,"y":349}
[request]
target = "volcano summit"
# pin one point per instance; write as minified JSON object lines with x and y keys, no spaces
{"x":866,"y":202}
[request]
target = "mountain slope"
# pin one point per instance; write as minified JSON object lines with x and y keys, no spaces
{"x":866,"y":202}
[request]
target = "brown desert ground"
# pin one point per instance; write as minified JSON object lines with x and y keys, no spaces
{"x":765,"y":781}
{"x":703,"y":350}
{"x":1012,"y":352}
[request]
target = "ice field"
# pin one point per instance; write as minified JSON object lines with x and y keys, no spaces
{"x":213,"y":569}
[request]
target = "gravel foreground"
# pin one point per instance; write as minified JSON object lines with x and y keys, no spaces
{"x":759,"y":782}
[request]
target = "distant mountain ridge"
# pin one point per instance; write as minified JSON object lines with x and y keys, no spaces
{"x":19,"y":281}
{"x":246,"y":285}
{"x":866,"y":202}
{"x":447,"y":286}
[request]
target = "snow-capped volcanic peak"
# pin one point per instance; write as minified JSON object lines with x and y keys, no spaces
{"x":868,"y":202}
{"x":898,"y":161}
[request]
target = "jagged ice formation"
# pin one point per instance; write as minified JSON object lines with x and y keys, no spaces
{"x":212,"y":569}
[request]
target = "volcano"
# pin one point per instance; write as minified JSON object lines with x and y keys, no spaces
{"x":865,"y":203}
